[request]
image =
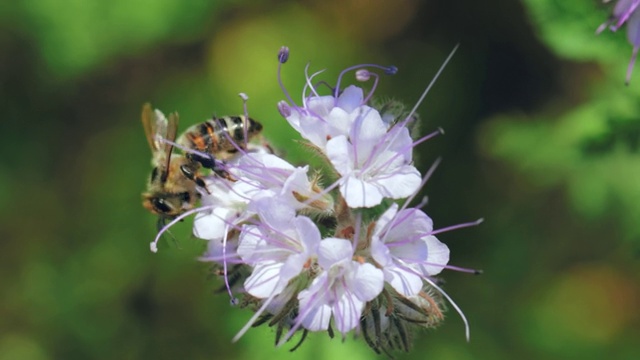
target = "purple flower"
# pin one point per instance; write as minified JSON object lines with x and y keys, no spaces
{"x":403,"y":246}
{"x":374,"y":163}
{"x":272,"y":176}
{"x":277,"y":247}
{"x":307,"y":258}
{"x":372,"y":156}
{"x":340,"y":290}
{"x":324,"y":117}
{"x":227,"y":203}
{"x":626,"y":11}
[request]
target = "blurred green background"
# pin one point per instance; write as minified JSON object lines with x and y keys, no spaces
{"x":542,"y":140}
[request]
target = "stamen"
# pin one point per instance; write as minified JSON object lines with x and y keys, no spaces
{"x":283,"y":54}
{"x":231,"y":259}
{"x":324,"y":83}
{"x":426,"y":91}
{"x":373,"y":88}
{"x":255,"y":316}
{"x":441,"y":291}
{"x":423,"y":202}
{"x":284,"y":109}
{"x":625,"y":16}
{"x":154,"y":244}
{"x":308,"y":85}
{"x":245,"y":121}
{"x":458,"y":226}
{"x":389,"y":70}
{"x":267,"y":176}
{"x":363,"y":75}
{"x":467,"y":330}
{"x":604,"y":25}
{"x":286,"y":242}
{"x":224,"y":264}
{"x":396,"y":219}
{"x":460,"y":269}
{"x":235,"y":145}
{"x":425,"y":178}
{"x":440,"y":131}
{"x":632,"y":62}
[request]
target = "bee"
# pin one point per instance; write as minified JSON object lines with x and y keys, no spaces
{"x":171,"y":189}
{"x":173,"y":186}
{"x":218,"y":138}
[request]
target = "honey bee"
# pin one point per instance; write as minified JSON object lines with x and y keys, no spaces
{"x":173,"y":185}
{"x":218,"y":138}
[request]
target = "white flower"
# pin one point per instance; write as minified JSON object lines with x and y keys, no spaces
{"x":341,"y":290}
{"x":324,"y":117}
{"x":277,"y":247}
{"x":229,"y":201}
{"x":254,"y":218}
{"x":258,"y":175}
{"x":374,"y":163}
{"x":271,"y":176}
{"x":401,"y":244}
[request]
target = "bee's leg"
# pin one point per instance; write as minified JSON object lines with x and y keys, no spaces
{"x":208,"y":161}
{"x":211,"y":164}
{"x":202,"y":184}
{"x":223,"y":174}
{"x":191,"y":175}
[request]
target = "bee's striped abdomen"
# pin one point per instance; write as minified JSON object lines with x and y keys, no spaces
{"x":220,"y":136}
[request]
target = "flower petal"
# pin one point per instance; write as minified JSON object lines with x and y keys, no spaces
{"x":308,"y":233}
{"x":401,"y":183}
{"x":358,"y":193}
{"x":265,"y":280}
{"x":314,"y":306}
{"x":365,"y":280}
{"x":438,"y":256}
{"x":404,"y":282}
{"x":211,"y":226}
{"x":346,"y":313}
{"x":334,"y":250}
{"x":350,"y":99}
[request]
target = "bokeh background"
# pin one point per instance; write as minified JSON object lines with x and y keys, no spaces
{"x":542,"y":140}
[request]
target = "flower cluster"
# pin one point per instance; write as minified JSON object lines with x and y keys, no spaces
{"x":343,"y":257}
{"x":626,"y":11}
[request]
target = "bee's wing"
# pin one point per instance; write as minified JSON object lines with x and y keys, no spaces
{"x":158,"y":127}
{"x":149,"y":123}
{"x":170,"y":132}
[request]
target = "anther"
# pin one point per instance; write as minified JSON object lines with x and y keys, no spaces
{"x":391,"y":70}
{"x":363,"y":75}
{"x":284,"y":109}
{"x":283,"y":54}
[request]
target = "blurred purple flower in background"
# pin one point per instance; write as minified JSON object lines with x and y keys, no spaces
{"x":626,"y":11}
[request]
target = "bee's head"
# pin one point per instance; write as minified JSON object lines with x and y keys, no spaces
{"x":168,"y":205}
